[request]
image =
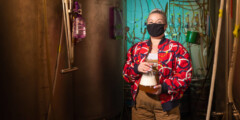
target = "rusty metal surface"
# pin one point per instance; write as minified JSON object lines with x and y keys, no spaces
{"x":95,"y":90}
{"x":98,"y":83}
{"x":24,"y":64}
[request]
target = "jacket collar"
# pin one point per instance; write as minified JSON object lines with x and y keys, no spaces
{"x":161,"y":42}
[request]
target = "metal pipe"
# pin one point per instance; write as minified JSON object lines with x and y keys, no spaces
{"x":215,"y":60}
{"x":69,"y":70}
{"x":226,"y":59}
{"x":66,"y":31}
{"x":69,"y":41}
{"x":58,"y":58}
{"x":70,"y":5}
{"x":234,"y":55}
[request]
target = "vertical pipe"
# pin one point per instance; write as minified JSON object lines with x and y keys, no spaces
{"x":215,"y":60}
{"x":58,"y":59}
{"x":70,"y":5}
{"x":69,"y":31}
{"x":234,"y":55}
{"x":227,"y":58}
{"x":65,"y":12}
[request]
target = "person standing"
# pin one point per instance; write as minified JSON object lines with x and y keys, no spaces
{"x":174,"y":71}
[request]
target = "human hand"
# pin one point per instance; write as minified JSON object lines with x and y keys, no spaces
{"x":158,"y":89}
{"x":144,"y":67}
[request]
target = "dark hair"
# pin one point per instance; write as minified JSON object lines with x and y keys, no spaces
{"x":156,"y":10}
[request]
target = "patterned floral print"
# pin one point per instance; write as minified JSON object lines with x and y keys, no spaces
{"x":174,"y":67}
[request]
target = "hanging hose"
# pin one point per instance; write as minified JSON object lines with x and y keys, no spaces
{"x":234,"y":56}
{"x":56,"y":70}
{"x":142,"y":14}
{"x":193,"y":12}
{"x":134,"y":19}
{"x":215,"y":60}
{"x":144,"y":31}
{"x":154,"y":4}
{"x":160,"y":4}
{"x":148,"y":6}
{"x":58,"y":59}
{"x":168,"y":11}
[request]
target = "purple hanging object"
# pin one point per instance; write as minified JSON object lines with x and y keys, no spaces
{"x":79,"y":27}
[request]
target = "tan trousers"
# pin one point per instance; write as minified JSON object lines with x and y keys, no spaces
{"x":148,"y":108}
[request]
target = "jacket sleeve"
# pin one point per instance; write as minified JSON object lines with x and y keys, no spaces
{"x":130,"y":71}
{"x":182,"y":73}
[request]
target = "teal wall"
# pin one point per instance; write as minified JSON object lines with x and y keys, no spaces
{"x":177,"y":14}
{"x":182,"y":16}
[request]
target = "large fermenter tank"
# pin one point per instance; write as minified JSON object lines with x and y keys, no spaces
{"x":30,"y":34}
{"x":98,"y":84}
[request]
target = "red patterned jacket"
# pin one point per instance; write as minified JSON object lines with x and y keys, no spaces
{"x":174,"y":67}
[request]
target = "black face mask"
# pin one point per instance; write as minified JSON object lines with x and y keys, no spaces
{"x":155,"y":29}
